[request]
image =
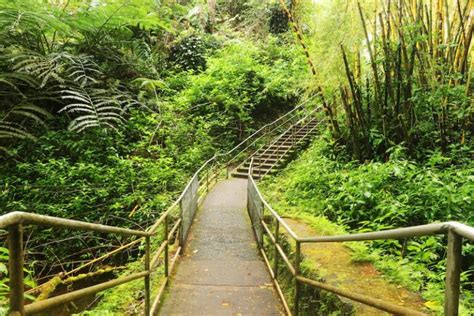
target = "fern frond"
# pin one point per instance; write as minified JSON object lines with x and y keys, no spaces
{"x":31,"y":108}
{"x":9,"y":131}
{"x":57,"y":67}
{"x":40,"y":66}
{"x":18,"y":78}
{"x":96,"y":108}
{"x":82,"y":69}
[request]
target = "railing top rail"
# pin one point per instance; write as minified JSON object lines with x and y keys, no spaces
{"x":397,"y":233}
{"x":50,"y":221}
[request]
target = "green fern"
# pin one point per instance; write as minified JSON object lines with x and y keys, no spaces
{"x":95,"y":108}
{"x":82,"y":70}
{"x":13,"y":130}
{"x":31,"y":111}
{"x":15,"y":81}
{"x":10,"y":129}
{"x":58,"y":67}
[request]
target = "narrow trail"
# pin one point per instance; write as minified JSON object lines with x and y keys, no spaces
{"x":221,"y":272}
{"x":333,"y":263}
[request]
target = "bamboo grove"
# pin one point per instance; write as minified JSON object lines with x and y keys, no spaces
{"x":417,"y":90}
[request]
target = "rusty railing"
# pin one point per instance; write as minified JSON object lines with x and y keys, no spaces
{"x":260,"y":210}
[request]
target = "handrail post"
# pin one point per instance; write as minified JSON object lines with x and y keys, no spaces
{"x":147,"y":277}
{"x":275,"y":256}
{"x":167,"y":240}
{"x":15,"y":268}
{"x":207,"y":180}
{"x":297,"y":284}
{"x":453,"y":274}
{"x":181,"y":231}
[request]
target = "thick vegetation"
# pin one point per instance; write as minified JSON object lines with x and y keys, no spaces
{"x":401,"y":153}
{"x":107,"y":108}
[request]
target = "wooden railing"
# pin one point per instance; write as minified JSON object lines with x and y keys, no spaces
{"x":261,"y":213}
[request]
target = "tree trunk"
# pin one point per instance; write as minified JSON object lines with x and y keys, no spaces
{"x":211,"y":21}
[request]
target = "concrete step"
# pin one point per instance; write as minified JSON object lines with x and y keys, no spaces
{"x":276,"y":145}
{"x":264,"y":164}
{"x":257,"y":159}
{"x":275,"y":150}
{"x":263,"y":168}
{"x":244,"y":171}
{"x":275,"y":156}
{"x":242,"y":175}
{"x":297,"y":135}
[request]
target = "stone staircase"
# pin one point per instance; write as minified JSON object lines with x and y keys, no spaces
{"x":274,"y":155}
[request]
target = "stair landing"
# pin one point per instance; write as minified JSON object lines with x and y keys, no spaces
{"x":221,"y":271}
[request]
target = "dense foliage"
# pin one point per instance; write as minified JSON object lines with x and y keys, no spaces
{"x":107,"y":108}
{"x":402,"y":86}
{"x":106,"y":111}
{"x":376,"y":196}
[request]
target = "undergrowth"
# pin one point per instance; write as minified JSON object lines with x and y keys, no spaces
{"x":338,"y":195}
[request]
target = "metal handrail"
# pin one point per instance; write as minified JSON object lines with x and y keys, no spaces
{"x":15,"y":222}
{"x":454,"y":230}
{"x":24,"y":218}
{"x":311,"y":114}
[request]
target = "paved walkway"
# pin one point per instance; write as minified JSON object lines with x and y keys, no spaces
{"x":221,"y":272}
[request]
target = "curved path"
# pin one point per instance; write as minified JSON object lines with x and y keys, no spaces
{"x":221,"y":272}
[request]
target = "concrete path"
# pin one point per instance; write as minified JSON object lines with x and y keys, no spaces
{"x":221,"y":272}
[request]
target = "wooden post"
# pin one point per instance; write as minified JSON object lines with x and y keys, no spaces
{"x":15,"y":269}
{"x":297,"y":284}
{"x":453,"y":275}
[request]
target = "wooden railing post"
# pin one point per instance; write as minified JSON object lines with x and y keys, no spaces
{"x":297,"y":283}
{"x":453,"y":274}
{"x":15,"y":268}
{"x":276,"y":255}
{"x":147,"y":277}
